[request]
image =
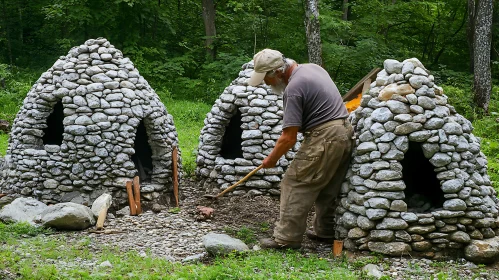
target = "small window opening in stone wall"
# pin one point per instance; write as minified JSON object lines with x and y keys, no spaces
{"x":52,"y":134}
{"x":423,"y":192}
{"x":143,"y":154}
{"x":231,"y":142}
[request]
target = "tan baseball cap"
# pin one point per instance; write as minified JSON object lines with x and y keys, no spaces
{"x":266,"y":60}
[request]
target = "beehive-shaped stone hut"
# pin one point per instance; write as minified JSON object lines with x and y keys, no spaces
{"x":240,"y":131}
{"x":418,"y":180}
{"x":90,"y":123}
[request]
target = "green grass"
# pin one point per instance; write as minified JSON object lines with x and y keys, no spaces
{"x":59,"y":257}
{"x":16,"y":230}
{"x":4,"y":138}
{"x":188,"y":117}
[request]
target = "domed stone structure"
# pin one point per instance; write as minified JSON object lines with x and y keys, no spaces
{"x":90,"y":123}
{"x":240,"y":131}
{"x":418,"y":180}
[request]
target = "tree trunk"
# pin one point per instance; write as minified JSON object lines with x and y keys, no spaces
{"x":482,"y":47}
{"x":313,"y":32}
{"x":470,"y":31}
{"x":7,"y":31}
{"x":209,"y":27}
{"x":345,"y":10}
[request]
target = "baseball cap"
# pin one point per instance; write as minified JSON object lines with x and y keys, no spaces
{"x":265,"y":60}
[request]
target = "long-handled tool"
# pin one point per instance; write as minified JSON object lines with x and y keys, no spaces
{"x":235,"y":185}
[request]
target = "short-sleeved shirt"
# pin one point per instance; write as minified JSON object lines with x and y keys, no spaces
{"x":311,"y":98}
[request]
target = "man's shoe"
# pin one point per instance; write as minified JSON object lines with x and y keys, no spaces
{"x":311,"y":235}
{"x":270,"y":243}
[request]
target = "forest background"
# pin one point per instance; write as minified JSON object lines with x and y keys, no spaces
{"x":189,"y":51}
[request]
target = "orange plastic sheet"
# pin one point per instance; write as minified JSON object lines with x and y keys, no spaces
{"x":354,"y":103}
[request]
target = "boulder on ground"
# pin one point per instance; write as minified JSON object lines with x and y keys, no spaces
{"x":67,"y":216}
{"x":222,"y":244}
{"x":22,"y":209}
{"x":483,"y":251}
{"x":4,"y":126}
{"x":6,"y":200}
{"x":103,"y":201}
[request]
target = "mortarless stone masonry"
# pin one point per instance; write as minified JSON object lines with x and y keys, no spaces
{"x":391,"y":202}
{"x":247,"y":121}
{"x":102,"y":106}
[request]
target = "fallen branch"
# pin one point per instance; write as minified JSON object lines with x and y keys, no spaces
{"x":2,"y":195}
{"x":107,"y":231}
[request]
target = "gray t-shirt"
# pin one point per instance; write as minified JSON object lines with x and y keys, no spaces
{"x":311,"y":98}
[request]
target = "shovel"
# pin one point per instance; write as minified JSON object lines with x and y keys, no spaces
{"x":235,"y":185}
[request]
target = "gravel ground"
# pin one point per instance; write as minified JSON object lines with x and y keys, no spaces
{"x":178,"y":236}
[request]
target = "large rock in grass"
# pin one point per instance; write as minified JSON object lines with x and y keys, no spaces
{"x":22,"y":210}
{"x":67,"y":216}
{"x":222,"y":244}
{"x":483,"y":251}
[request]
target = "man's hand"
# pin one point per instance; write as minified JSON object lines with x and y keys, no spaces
{"x":269,"y":162}
{"x":285,"y":142}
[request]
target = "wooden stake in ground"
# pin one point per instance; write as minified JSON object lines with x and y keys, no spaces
{"x":136,"y":194}
{"x":175,"y":174}
{"x":337,"y":248}
{"x":131,"y":201}
{"x":101,"y":218}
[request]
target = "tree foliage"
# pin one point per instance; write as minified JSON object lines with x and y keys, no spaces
{"x":166,"y":39}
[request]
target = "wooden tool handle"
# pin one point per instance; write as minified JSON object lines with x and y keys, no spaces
{"x":240,"y":181}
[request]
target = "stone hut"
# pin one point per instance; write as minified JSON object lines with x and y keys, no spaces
{"x":90,"y":123}
{"x":418,"y":180}
{"x":240,"y":131}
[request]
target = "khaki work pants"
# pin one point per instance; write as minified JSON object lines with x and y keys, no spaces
{"x":315,"y":175}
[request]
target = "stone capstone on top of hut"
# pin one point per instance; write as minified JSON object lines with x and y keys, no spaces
{"x":90,"y":123}
{"x":240,"y":131}
{"x":418,"y":180}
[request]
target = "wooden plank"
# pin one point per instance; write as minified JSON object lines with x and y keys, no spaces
{"x":136,"y":193}
{"x":352,"y":93}
{"x":131,"y":201}
{"x":101,"y":218}
{"x":175,"y":174}
{"x":367,"y":84}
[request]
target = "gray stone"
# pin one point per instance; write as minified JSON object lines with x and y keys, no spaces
{"x":22,"y":210}
{"x":483,"y":251}
{"x":222,"y":244}
{"x":389,"y":248}
{"x":67,"y":216}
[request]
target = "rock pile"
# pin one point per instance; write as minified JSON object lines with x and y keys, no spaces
{"x":240,"y":131}
{"x":77,"y":133}
{"x":418,"y":180}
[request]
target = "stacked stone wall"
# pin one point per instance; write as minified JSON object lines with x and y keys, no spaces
{"x":404,"y":105}
{"x":261,"y":112}
{"x":104,"y":99}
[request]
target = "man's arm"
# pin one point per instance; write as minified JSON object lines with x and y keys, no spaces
{"x":285,"y":142}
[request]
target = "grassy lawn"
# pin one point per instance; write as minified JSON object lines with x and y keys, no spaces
{"x":188,"y":117}
{"x":4,"y":138}
{"x":31,"y":253}
{"x":35,"y":253}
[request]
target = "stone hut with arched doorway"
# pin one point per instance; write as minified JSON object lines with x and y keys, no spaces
{"x":90,"y":123}
{"x":239,"y":132}
{"x":418,"y":180}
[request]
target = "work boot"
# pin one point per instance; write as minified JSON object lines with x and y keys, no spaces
{"x":270,"y":243}
{"x":311,"y":235}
